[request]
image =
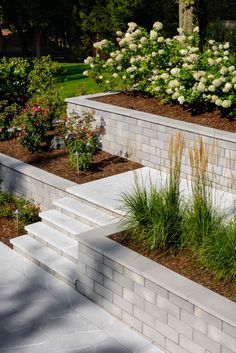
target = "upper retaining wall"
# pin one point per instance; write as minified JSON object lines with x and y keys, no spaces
{"x":33,"y":183}
{"x":144,"y":137}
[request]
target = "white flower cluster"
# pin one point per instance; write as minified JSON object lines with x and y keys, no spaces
{"x":170,"y":68}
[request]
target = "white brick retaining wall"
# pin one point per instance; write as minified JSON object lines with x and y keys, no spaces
{"x":31,"y":182}
{"x":144,"y":138}
{"x":177,"y":314}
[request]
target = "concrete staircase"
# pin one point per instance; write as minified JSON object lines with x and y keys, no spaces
{"x":53,"y":243}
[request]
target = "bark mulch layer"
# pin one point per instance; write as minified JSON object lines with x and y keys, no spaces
{"x":184,"y":262}
{"x":9,"y":230}
{"x":212,"y":119}
{"x":56,"y":162}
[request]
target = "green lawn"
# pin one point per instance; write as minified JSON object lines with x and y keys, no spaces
{"x":72,"y":81}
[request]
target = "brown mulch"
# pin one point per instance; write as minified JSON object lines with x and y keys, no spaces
{"x":8,"y":230}
{"x":56,"y":162}
{"x":152,"y":105}
{"x":184,"y":262}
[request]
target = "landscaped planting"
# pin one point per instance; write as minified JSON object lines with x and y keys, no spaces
{"x":82,"y":139}
{"x":160,"y":219}
{"x":171,"y":69}
{"x":25,"y":84}
{"x":15,"y":214}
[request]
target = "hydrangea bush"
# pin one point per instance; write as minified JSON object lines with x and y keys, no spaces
{"x":171,"y":69}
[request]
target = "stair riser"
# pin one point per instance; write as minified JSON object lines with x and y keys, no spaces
{"x":45,"y":267}
{"x":60,"y":229}
{"x":52,"y":247}
{"x":78,"y":218}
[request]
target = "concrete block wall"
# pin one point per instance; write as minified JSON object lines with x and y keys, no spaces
{"x":145,"y":137}
{"x":177,"y":314}
{"x":33,"y":183}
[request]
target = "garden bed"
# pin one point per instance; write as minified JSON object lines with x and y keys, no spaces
{"x":185,"y":263}
{"x":8,"y":230}
{"x":56,"y":162}
{"x":211,"y":118}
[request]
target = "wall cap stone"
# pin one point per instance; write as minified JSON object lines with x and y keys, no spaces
{"x":35,"y":173}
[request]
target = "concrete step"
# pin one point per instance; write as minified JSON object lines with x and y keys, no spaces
{"x":54,"y":240}
{"x":64,"y":223}
{"x":87,"y":214}
{"x":46,"y":258}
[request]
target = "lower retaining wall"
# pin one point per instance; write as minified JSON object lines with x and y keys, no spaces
{"x":31,"y":182}
{"x":144,"y":138}
{"x":177,"y":314}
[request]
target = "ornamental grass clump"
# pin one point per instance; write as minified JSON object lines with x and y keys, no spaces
{"x":218,"y":251}
{"x":154,"y":216}
{"x":201,"y":219}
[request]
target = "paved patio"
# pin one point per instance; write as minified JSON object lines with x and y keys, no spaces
{"x":40,"y":314}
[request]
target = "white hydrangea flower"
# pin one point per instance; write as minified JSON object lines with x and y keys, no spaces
{"x":175,"y":71}
{"x":183,"y":52}
{"x":100,"y":77}
{"x":165,"y":76}
{"x":227,"y":87}
{"x":137,"y":32}
{"x":169,"y":91}
{"x":115,"y":75}
{"x":132,"y":25}
{"x":201,"y":87}
{"x":133,"y":47}
{"x":180,"y":30}
{"x":104,"y":43}
{"x":225,"y":58}
{"x":119,"y":33}
{"x":218,"y":102}
{"x":107,"y":82}
{"x":88,"y":60}
{"x":124,"y":77}
{"x":223,"y":70}
{"x":226,"y":45}
{"x":211,"y":41}
{"x":231,"y":68}
{"x":153,"y":35}
{"x":226,"y":104}
{"x":157,"y":89}
{"x":143,"y":40}
{"x":158,"y":26}
{"x":86,"y":73}
{"x":196,"y":29}
{"x":119,"y":57}
{"x":160,"y":39}
{"x":181,"y":100}
{"x":211,"y":88}
{"x":217,"y":82}
{"x":110,"y":61}
{"x":161,"y":51}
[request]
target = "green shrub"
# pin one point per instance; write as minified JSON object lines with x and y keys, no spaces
{"x":21,"y":80}
{"x":27,"y":211}
{"x":36,"y":125}
{"x":82,"y":140}
{"x":171,"y":69}
{"x":154,"y":216}
{"x":218,"y":251}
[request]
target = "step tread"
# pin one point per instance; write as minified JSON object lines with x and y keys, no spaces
{"x":54,"y":238}
{"x":65,"y":222}
{"x":49,"y":258}
{"x":85,"y":211}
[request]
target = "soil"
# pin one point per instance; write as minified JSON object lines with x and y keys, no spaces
{"x":184,"y":262}
{"x":8,"y":230}
{"x":56,"y":162}
{"x":211,"y":118}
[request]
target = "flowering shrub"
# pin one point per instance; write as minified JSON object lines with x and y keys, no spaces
{"x":172,"y":69}
{"x":82,"y":140}
{"x":34,"y":129}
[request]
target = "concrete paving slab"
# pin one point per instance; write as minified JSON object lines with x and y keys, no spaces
{"x":107,"y":192}
{"x":40,"y":314}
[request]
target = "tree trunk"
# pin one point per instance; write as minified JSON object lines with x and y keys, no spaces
{"x":3,"y":44}
{"x":38,"y":43}
{"x":187,"y":16}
